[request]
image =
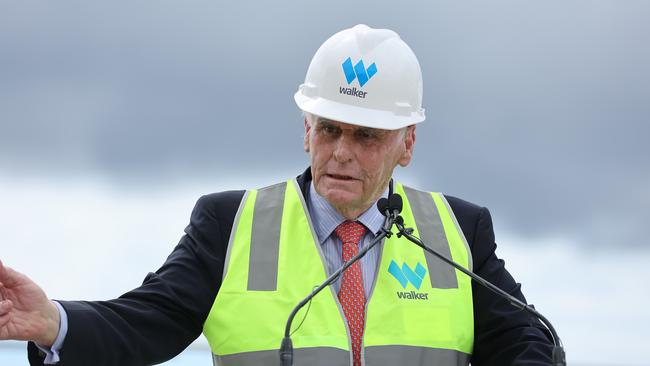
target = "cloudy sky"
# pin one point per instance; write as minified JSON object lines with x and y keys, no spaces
{"x":115,"y":118}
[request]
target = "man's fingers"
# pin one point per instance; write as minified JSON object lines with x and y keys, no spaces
{"x":8,"y":277}
{"x":5,"y":317}
{"x":5,"y":307}
{"x":3,"y":271}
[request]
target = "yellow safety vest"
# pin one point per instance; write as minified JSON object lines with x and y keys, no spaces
{"x":419,"y":312}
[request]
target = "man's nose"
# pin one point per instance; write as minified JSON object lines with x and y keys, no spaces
{"x":344,"y":149}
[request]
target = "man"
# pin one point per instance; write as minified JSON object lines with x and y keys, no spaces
{"x":248,"y":257}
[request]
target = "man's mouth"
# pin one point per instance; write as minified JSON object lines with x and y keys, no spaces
{"x":341,"y":177}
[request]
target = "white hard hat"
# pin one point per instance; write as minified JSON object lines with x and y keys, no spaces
{"x":364,"y":76}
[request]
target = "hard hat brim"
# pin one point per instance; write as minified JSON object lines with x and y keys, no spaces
{"x":354,"y":115}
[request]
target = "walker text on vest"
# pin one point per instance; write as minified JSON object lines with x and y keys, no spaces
{"x":352,"y":91}
{"x":412,"y":295}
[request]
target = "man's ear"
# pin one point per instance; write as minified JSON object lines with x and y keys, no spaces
{"x":307,"y":132}
{"x":409,"y":145}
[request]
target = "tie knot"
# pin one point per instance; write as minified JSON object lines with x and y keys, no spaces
{"x":350,"y":232}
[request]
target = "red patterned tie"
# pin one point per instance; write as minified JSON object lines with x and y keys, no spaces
{"x":352,"y":295}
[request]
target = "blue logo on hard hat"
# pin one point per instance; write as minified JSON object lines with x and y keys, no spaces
{"x":405,"y":274}
{"x":358,"y":71}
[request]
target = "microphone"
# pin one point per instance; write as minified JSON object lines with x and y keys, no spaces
{"x":388,"y":208}
{"x":395,"y":204}
{"x":558,"y":355}
{"x":382,"y":205}
{"x":391,"y":206}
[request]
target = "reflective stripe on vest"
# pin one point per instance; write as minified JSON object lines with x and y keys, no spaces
{"x":323,"y":356}
{"x":418,"y":313}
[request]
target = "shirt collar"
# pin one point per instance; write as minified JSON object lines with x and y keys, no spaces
{"x":325,"y":217}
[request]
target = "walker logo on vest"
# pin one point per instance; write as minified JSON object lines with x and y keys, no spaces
{"x":406,"y":275}
{"x":358,"y":72}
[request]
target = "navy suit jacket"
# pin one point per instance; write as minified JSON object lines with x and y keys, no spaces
{"x":159,"y":319}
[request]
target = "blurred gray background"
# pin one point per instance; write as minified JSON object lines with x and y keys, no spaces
{"x":115,"y":118}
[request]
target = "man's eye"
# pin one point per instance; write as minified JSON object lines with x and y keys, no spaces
{"x":329,"y":130}
{"x":365,"y":134}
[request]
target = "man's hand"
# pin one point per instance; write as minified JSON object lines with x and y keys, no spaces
{"x":25,"y":311}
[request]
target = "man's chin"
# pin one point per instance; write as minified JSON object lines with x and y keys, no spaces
{"x":340,"y":198}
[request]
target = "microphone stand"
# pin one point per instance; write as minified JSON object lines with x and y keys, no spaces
{"x":286,"y":348}
{"x":558,"y":350}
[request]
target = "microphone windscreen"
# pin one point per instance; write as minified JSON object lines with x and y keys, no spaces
{"x":395,"y":202}
{"x":382,"y":205}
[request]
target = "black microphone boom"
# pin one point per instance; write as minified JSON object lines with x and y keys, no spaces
{"x":559,"y":358}
{"x":391,"y":208}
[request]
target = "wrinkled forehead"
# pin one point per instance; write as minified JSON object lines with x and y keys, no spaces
{"x":315,"y":120}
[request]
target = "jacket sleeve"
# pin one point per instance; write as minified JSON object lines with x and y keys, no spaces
{"x":503,"y":335}
{"x":159,"y":319}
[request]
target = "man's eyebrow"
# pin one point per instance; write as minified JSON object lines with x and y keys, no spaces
{"x":371,"y":131}
{"x":324,"y":121}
